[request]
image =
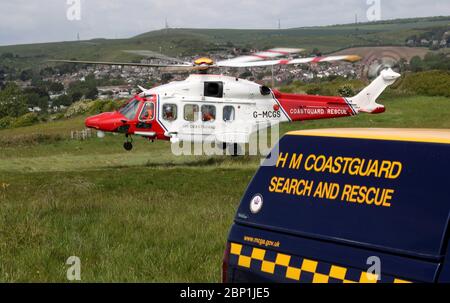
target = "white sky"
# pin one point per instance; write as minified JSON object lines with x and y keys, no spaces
{"x":30,"y":21}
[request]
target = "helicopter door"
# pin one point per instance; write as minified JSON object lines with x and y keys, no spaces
{"x":200,"y":124}
{"x":209,"y":122}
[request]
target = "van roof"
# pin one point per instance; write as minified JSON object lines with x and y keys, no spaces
{"x":390,"y":134}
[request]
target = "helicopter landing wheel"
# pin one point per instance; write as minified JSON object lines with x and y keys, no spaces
{"x":128,"y":146}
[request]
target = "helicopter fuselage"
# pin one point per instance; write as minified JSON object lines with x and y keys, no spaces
{"x":215,"y":108}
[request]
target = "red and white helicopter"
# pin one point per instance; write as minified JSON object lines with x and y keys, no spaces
{"x":228,"y":110}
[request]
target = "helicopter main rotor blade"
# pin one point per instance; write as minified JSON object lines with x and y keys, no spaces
{"x":349,"y":58}
{"x":155,"y":55}
{"x":263,"y":55}
{"x":122,"y":63}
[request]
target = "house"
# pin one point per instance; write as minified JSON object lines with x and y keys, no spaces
{"x":35,"y":109}
{"x":55,"y":96}
{"x":410,"y":42}
{"x":424,"y":42}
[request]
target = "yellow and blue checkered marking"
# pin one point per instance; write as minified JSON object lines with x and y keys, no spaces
{"x":300,"y":269}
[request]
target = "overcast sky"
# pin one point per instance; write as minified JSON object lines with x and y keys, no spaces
{"x":31,"y":21}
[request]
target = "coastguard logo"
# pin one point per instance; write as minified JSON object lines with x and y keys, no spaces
{"x":256,"y":204}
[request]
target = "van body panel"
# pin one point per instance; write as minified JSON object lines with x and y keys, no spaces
{"x":300,"y":221}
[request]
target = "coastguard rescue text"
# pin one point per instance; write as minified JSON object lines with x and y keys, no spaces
{"x":337,"y":165}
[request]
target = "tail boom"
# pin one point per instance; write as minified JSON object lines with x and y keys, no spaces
{"x":309,"y":107}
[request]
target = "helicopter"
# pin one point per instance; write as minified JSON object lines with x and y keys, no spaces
{"x":227,"y":110}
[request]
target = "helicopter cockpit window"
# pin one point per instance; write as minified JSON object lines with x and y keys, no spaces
{"x":147,"y":112}
{"x":208,"y":113}
{"x":228,"y":113}
{"x":130,"y":109}
{"x":191,"y":112}
{"x":169,"y":112}
{"x":213,"y":89}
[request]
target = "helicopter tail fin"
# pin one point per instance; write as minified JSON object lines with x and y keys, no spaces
{"x":365,"y":101}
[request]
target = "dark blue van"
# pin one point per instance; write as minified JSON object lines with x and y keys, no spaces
{"x":346,"y":206}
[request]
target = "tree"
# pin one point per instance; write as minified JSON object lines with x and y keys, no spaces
{"x":2,"y":79}
{"x":317,"y":52}
{"x":62,"y":100}
{"x":13,"y":102}
{"x":56,"y":87}
{"x":166,"y":77}
{"x":76,"y":96}
{"x":26,"y":75}
{"x":416,"y":64}
{"x":92,"y":93}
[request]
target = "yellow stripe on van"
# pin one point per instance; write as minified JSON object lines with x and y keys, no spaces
{"x":302,"y":269}
{"x":390,"y":134}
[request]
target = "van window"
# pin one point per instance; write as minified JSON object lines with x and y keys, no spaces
{"x":191,"y":112}
{"x":213,"y":89}
{"x":169,"y":112}
{"x":228,"y":113}
{"x":147,"y":112}
{"x":208,"y":113}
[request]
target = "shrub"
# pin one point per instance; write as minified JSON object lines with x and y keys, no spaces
{"x":314,"y":90}
{"x":26,"y":120}
{"x":110,"y":106}
{"x":429,"y":83}
{"x":346,"y":91}
{"x":6,"y":122}
{"x":29,"y":139}
{"x":96,"y":107}
{"x":79,"y":108}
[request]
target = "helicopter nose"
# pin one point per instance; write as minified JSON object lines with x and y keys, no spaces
{"x":107,"y":122}
{"x":92,"y":122}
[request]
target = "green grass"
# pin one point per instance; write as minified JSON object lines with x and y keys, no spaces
{"x":130,"y":224}
{"x":140,"y":216}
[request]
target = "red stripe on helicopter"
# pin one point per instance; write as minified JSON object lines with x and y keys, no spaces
{"x":308,"y":107}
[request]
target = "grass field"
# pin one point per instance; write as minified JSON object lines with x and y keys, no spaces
{"x":140,"y":216}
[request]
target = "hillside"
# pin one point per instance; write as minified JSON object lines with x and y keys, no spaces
{"x":177,"y":42}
